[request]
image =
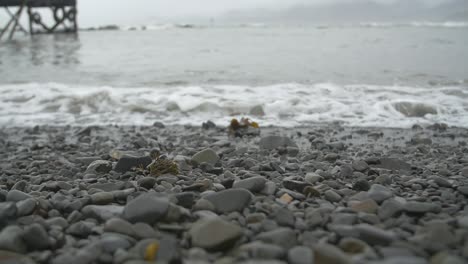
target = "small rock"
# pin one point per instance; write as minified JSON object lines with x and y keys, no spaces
{"x":327,"y":254}
{"x":36,"y":237}
{"x":230,"y":200}
{"x":390,"y":208}
{"x":214,"y":234}
{"x":283,"y":237}
{"x":421,"y":207}
{"x":273,"y":142}
{"x":16,"y":196}
{"x":127,"y":162}
{"x":11,"y":239}
{"x":332,"y":196}
{"x":379,"y":193}
{"x":99,"y":167}
{"x":300,"y":255}
{"x":361,"y":185}
{"x":367,"y":206}
{"x":260,"y":250}
{"x":207,"y":155}
{"x":373,"y":235}
{"x":146,"y":208}
{"x":117,"y":225}
{"x":102,"y":198}
{"x":312,"y":178}
{"x":147,"y":182}
{"x":102,"y":212}
{"x":360,"y":165}
{"x":253,"y":184}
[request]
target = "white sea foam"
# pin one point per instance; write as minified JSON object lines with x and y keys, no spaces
{"x":283,"y":104}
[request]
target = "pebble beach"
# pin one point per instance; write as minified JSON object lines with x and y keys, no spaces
{"x":323,"y":194}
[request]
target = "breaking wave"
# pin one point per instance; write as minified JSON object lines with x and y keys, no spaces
{"x":281,"y":104}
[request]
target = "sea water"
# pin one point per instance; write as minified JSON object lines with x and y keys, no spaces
{"x":367,"y":74}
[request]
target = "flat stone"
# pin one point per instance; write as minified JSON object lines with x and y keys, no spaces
{"x":374,"y":235}
{"x":346,"y":171}
{"x":16,"y":196}
{"x":11,"y":239}
{"x":230,"y":200}
{"x":327,"y":254}
{"x":332,"y":196}
{"x":283,"y":237}
{"x":312,"y":178}
{"x":127,"y":162}
{"x":102,"y":198}
{"x":36,"y":237}
{"x":99,"y":167}
{"x":442,"y":182}
{"x":273,"y":142}
{"x":297,"y":186}
{"x":8,"y":212}
{"x":102,"y":212}
{"x":367,"y":206}
{"x":26,"y":207}
{"x":112,"y":242}
{"x":146,"y":208}
{"x":254,"y":184}
{"x":393,"y":164}
{"x":379,"y":193}
{"x":261,"y":250}
{"x":421,"y":207}
{"x":361,"y":185}
{"x":147,"y":182}
{"x":463,"y":190}
{"x":284,"y":217}
{"x":207,"y":155}
{"x":360,"y":165}
{"x":214,"y":234}
{"x":80,"y":229}
{"x":107,"y":186}
{"x":390,"y":208}
{"x":117,"y":225}
{"x":301,"y":255}
{"x":464,"y":172}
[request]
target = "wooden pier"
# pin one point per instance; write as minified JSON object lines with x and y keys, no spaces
{"x":63,"y":13}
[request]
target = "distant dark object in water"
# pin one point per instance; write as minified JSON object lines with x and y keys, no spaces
{"x":414,"y":109}
{"x":109,"y":27}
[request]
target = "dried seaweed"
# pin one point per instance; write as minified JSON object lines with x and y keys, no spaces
{"x":243,"y":127}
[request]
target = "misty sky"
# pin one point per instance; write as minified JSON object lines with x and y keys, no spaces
{"x":128,"y":12}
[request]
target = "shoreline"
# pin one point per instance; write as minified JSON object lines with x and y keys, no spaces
{"x":327,"y":193}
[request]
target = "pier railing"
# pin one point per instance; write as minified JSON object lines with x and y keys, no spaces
{"x":63,"y":12}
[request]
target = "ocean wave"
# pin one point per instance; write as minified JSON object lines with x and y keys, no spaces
{"x":286,"y":104}
{"x":445,"y":24}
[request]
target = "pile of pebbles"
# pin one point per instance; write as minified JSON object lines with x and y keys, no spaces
{"x":323,"y":195}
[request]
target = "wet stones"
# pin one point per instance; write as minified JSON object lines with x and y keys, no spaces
{"x":229,"y":200}
{"x":214,"y":234}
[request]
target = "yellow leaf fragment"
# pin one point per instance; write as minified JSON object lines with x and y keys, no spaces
{"x":151,"y":251}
